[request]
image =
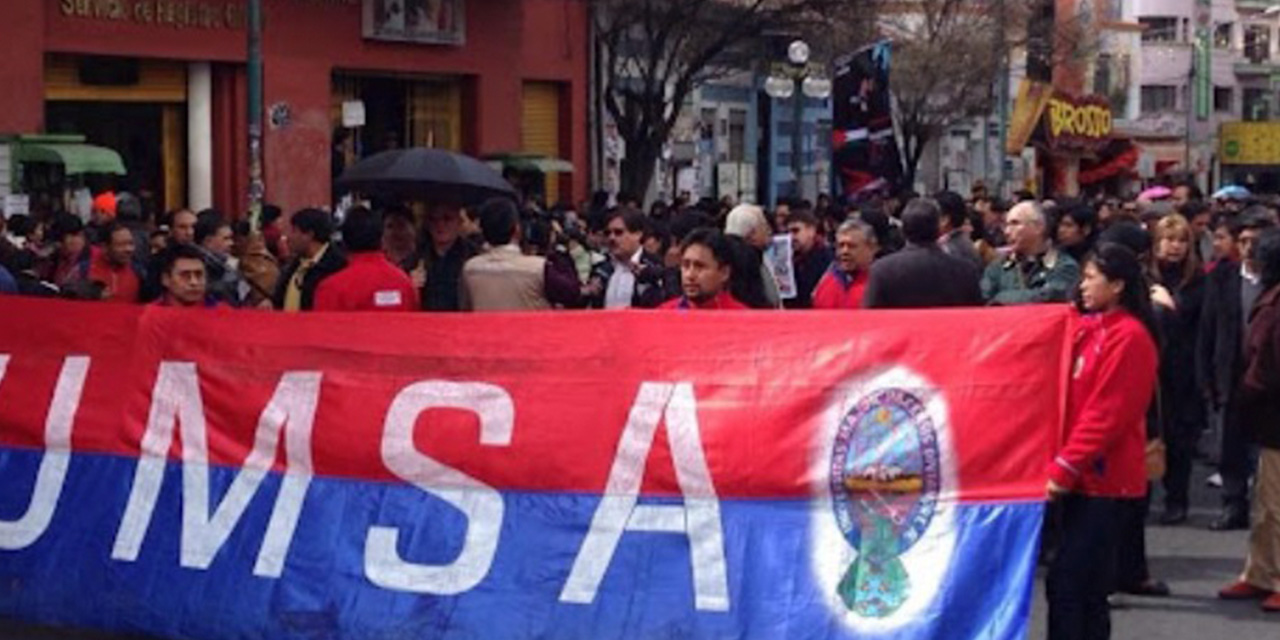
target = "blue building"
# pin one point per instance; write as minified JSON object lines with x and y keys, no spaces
{"x":779,"y":180}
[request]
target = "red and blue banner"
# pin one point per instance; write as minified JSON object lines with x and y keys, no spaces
{"x":223,"y":474}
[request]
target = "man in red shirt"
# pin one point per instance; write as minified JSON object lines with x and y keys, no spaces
{"x":841,"y":287}
{"x":369,"y":282}
{"x":113,"y":267}
{"x":183,"y":279}
{"x":706,"y":265}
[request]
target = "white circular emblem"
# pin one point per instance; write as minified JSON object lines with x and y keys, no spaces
{"x":883,"y":476}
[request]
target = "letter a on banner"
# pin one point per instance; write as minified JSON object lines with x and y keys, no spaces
{"x":698,"y":518}
{"x":23,"y":532}
{"x":177,"y":396}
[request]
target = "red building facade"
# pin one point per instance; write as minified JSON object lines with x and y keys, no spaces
{"x":164,"y":83}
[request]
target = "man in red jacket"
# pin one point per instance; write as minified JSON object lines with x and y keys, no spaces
{"x":706,"y":265}
{"x":114,"y":269}
{"x":369,"y":282}
{"x":845,"y":281}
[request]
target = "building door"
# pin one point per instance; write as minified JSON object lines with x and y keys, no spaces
{"x":136,"y":107}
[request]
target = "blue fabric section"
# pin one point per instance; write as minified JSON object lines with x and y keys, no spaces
{"x":68,"y":576}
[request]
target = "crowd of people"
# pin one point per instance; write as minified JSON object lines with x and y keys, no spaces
{"x":1180,"y":304}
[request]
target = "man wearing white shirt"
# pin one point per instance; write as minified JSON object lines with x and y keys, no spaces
{"x":630,"y":278}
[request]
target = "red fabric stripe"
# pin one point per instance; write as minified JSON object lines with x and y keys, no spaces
{"x":762,"y":381}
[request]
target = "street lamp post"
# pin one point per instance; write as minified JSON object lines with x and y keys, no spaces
{"x":796,"y":80}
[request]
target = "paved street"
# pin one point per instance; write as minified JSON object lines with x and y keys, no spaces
{"x":1193,"y":560}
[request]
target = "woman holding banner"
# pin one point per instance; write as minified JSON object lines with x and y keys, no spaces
{"x":1101,"y":462}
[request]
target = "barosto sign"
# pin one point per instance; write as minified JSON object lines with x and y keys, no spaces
{"x":231,"y":474}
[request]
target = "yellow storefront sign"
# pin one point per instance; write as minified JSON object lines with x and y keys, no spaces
{"x":1250,"y":143}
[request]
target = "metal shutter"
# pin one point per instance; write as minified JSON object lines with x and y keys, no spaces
{"x":540,"y":128}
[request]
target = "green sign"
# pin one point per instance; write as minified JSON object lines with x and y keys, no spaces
{"x":1204,"y":73}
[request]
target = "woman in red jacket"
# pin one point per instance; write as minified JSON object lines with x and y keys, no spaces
{"x":1102,"y":460}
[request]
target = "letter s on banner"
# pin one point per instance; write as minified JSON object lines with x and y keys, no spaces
{"x":23,"y":532}
{"x":481,"y":504}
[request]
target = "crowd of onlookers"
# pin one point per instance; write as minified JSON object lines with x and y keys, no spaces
{"x":504,"y":256}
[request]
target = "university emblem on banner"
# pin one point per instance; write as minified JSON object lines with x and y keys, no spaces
{"x":884,"y":535}
{"x":884,"y":484}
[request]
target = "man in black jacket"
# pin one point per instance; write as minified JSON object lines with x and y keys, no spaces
{"x":922,"y":275}
{"x":317,"y":259}
{"x":631,"y":277}
{"x":812,"y":257}
{"x":1230,"y":293}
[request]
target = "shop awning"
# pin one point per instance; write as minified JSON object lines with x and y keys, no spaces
{"x":529,"y":162}
{"x":1120,"y":158}
{"x":75,"y":158}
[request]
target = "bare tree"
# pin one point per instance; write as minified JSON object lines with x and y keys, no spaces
{"x":948,"y":54}
{"x":656,"y":52}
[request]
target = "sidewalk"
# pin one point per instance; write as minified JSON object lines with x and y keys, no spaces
{"x":1195,"y":562}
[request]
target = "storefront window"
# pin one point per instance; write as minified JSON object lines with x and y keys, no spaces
{"x":135,"y":107}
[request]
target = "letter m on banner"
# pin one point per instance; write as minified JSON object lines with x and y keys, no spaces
{"x":176,"y":398}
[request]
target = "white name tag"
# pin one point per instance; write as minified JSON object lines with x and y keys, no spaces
{"x":387,"y":299}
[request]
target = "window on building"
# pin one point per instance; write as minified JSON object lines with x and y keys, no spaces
{"x":1158,"y":98}
{"x":1112,"y":10}
{"x":1159,"y":29}
{"x":1257,"y":105}
{"x":1223,"y":100}
{"x":737,"y":135}
{"x":707,"y":124}
{"x":1257,"y":43}
{"x":1102,"y":74}
{"x":1222,"y":35}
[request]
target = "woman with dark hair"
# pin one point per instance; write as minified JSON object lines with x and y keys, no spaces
{"x":1076,"y":229}
{"x":1260,"y":412}
{"x":1101,"y":464}
{"x":1178,"y":294}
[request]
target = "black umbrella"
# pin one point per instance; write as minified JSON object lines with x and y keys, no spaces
{"x":425,"y":174}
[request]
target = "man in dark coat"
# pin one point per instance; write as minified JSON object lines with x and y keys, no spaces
{"x":922,"y":275}
{"x":443,"y":256}
{"x":955,"y":240}
{"x":1230,"y":293}
{"x":317,"y":259}
{"x":812,"y":256}
{"x":1259,"y":401}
